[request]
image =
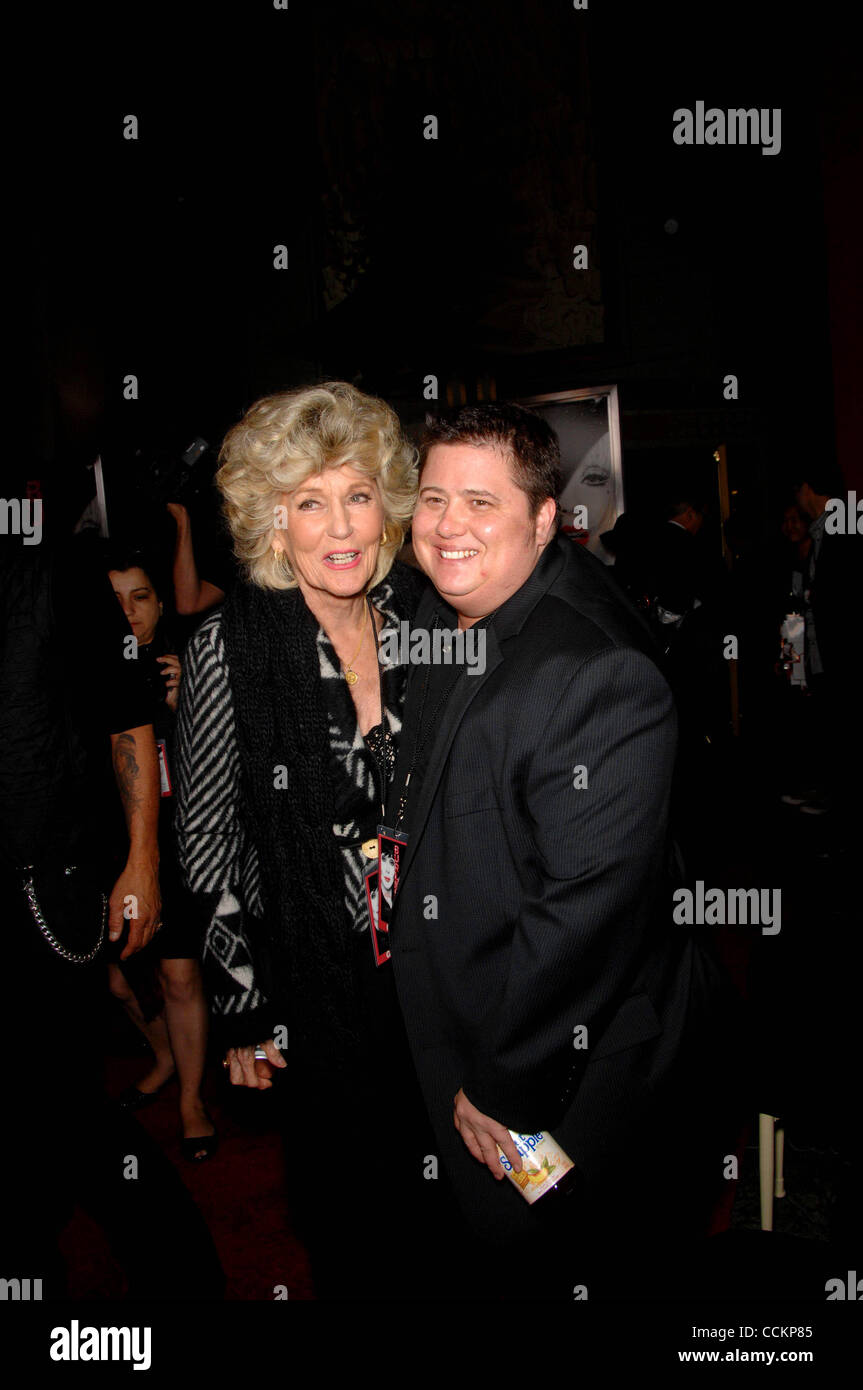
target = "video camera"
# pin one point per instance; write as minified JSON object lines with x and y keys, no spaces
{"x":169,"y":477}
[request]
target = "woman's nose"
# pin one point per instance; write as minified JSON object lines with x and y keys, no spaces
{"x":339,"y":523}
{"x":449,"y":523}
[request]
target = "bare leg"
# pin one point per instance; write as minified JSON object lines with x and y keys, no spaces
{"x":186,"y":1017}
{"x":155,"y":1031}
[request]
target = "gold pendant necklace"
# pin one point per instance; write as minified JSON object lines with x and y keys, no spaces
{"x":351,"y":676}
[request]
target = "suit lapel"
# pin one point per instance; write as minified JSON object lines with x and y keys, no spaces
{"x":466,"y":690}
{"x":508,"y":621}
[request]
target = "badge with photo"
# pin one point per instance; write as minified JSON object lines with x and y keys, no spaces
{"x":377,"y":932}
{"x":391,"y":848}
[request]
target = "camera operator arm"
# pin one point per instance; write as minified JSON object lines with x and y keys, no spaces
{"x":192,"y":593}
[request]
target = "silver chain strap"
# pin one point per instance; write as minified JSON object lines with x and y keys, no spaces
{"x":74,"y":957}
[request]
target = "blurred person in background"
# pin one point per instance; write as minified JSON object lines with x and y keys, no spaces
{"x":833,"y":583}
{"x":177,"y":1033}
{"x":69,"y":738}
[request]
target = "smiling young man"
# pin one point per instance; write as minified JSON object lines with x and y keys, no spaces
{"x":542,"y":982}
{"x":476,"y":533}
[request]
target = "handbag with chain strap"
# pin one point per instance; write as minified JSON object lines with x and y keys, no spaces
{"x":69,"y":908}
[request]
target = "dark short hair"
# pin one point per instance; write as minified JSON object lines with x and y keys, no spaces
{"x":527,"y":442}
{"x":123,"y":555}
{"x":824,"y":478}
{"x":680,"y":503}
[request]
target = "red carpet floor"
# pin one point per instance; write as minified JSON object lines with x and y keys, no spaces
{"x":240,"y":1191}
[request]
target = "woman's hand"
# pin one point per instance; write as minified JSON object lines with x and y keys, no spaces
{"x":172,"y":671}
{"x":482,"y":1135}
{"x":137,"y":889}
{"x":246,"y":1071}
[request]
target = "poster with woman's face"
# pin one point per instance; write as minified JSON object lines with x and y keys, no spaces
{"x":388,"y":876}
{"x":586,"y":423}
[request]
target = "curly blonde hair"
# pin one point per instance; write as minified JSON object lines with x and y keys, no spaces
{"x":284,"y":439}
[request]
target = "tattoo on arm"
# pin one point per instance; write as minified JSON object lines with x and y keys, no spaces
{"x":127,"y":772}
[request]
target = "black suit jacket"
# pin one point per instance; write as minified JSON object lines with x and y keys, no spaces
{"x":835,"y":590}
{"x":528,"y":907}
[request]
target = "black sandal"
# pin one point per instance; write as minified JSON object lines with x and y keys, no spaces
{"x":190,"y":1148}
{"x":132,"y":1099}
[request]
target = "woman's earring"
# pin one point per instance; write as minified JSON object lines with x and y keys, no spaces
{"x":282,"y":561}
{"x":384,"y":536}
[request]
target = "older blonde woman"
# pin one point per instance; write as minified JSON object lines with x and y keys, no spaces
{"x":287,"y":730}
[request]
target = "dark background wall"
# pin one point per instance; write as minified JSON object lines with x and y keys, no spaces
{"x":452,"y":257}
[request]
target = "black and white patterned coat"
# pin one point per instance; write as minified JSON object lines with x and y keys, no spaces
{"x":216,"y":853}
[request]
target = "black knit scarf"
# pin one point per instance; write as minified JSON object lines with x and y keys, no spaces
{"x":281,"y":721}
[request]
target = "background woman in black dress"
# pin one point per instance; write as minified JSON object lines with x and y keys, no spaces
{"x":174,"y":1016}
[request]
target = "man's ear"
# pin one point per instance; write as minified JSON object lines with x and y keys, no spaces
{"x":545,"y":519}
